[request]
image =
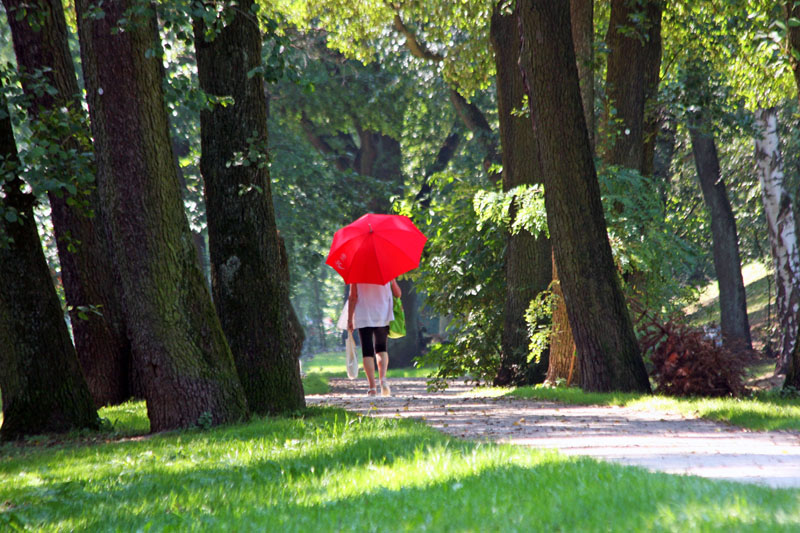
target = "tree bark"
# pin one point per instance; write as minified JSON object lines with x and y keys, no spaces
{"x":634,"y":61}
{"x":781,"y":225}
{"x":601,"y":325}
{"x":727,"y":263}
{"x":564,"y":363}
{"x":663,"y":153}
{"x":582,"y":19}
{"x":250,"y":295}
{"x":87,"y":273}
{"x":179,"y":348}
{"x":563,"y":360}
{"x":527,"y":258}
{"x":42,"y":387}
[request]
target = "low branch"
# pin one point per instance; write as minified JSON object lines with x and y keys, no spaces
{"x":342,"y":163}
{"x":446,"y":153}
{"x":417,"y":48}
{"x":476,"y":122}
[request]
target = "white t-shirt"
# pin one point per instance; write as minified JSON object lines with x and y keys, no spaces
{"x":374,"y":307}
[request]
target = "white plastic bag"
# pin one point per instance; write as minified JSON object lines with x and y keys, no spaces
{"x":350,"y":354}
{"x":342,"y":322}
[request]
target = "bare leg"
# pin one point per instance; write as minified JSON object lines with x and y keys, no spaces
{"x":369,"y":370}
{"x":383,"y":365}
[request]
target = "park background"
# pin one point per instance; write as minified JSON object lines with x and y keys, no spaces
{"x":592,"y":177}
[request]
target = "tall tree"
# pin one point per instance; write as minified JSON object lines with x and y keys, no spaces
{"x":185,"y":363}
{"x":727,"y":263}
{"x":527,"y":257}
{"x":634,"y":60}
{"x":39,"y":31}
{"x":792,"y":12}
{"x":42,"y":387}
{"x":250,"y":295}
{"x":598,"y":315}
{"x":782,"y":230}
{"x":564,"y":363}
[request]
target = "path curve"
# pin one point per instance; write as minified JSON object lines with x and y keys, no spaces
{"x":659,"y":441}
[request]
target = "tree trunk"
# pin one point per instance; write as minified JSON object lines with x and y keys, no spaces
{"x":582,"y":19}
{"x":179,"y":348}
{"x":42,"y":387}
{"x":564,"y":362}
{"x":727,"y":264}
{"x":663,"y":153}
{"x":598,"y":315}
{"x":634,"y":60}
{"x":527,"y":258}
{"x":83,"y":249}
{"x":781,"y":225}
{"x":251,"y":297}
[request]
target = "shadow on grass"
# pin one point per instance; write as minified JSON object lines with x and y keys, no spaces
{"x":322,"y":470}
{"x":449,"y":487}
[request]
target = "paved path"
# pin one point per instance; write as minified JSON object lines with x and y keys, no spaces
{"x":659,"y":441}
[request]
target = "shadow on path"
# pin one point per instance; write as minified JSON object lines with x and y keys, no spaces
{"x":657,"y":440}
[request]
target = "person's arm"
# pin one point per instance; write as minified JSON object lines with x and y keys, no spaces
{"x":351,"y":305}
{"x":396,"y":292}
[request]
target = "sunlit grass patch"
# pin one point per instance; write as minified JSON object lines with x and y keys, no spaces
{"x":762,"y":412}
{"x":333,"y":471}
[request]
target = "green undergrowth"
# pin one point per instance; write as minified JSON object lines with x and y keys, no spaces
{"x":764,"y":411}
{"x":324,"y":366}
{"x":328,"y":470}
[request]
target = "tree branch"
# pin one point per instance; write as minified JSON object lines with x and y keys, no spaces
{"x":446,"y":153}
{"x":417,"y":48}
{"x":342,"y":163}
{"x":473,"y":119}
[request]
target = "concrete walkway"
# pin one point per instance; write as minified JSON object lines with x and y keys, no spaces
{"x":656,"y":440}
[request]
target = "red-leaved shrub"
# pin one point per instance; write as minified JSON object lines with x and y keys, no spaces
{"x":688,"y":363}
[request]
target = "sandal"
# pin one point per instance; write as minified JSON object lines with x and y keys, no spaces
{"x":385,"y":389}
{"x":372,"y":392}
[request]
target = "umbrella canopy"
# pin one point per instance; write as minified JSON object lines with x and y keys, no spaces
{"x":376,"y":249}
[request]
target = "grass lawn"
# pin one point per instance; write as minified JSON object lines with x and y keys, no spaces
{"x":759,"y":294}
{"x":332,"y":365}
{"x":331,"y":471}
{"x":765,"y":411}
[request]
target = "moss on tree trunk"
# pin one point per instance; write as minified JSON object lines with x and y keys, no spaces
{"x":86,"y":269}
{"x":180,"y":351}
{"x":42,"y":387}
{"x":251,"y":291}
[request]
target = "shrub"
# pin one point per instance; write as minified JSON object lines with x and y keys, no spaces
{"x":687,"y":362}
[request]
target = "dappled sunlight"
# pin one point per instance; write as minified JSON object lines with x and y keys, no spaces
{"x":318,"y":472}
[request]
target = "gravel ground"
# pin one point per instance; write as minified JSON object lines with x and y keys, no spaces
{"x":659,"y":441}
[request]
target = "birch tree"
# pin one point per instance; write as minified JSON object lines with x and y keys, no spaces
{"x":782,"y":230}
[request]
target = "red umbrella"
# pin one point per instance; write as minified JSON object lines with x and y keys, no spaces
{"x":376,"y":249}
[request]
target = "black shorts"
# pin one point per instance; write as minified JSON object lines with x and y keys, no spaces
{"x":373,"y":340}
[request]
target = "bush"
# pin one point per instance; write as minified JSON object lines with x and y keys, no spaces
{"x":686,"y":362}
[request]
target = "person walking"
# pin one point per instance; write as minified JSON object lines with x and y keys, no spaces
{"x":370,"y":310}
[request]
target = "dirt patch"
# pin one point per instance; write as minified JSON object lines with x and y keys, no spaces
{"x":658,"y":441}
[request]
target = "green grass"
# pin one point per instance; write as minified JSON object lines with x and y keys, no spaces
{"x":757,"y":288}
{"x":333,"y":471}
{"x":766,"y":411}
{"x":332,"y":365}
